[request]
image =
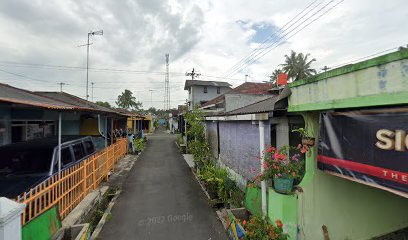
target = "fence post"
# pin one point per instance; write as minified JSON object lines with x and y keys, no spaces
{"x":84,"y":177}
{"x":93,"y":172}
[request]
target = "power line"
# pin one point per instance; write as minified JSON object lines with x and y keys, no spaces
{"x":23,"y":76}
{"x":271,"y":37}
{"x":278,"y":41}
{"x":366,"y":57}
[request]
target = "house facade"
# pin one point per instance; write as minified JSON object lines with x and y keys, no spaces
{"x":241,"y":96}
{"x":355,"y":185}
{"x":199,"y":92}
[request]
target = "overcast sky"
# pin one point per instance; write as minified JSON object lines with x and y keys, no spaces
{"x":209,"y":35}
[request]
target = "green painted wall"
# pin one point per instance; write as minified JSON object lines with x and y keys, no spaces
{"x":253,"y":200}
{"x":350,"y":210}
{"x":43,"y":226}
{"x":376,"y":82}
{"x":283,"y":207}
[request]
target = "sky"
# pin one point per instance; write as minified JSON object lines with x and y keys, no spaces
{"x":40,"y":43}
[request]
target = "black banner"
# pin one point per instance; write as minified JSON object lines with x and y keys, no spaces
{"x":370,"y":146}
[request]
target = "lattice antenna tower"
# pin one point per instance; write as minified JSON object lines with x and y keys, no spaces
{"x":167,"y":85}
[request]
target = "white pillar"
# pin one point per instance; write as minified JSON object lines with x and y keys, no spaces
{"x":261,"y":152}
{"x":59,"y":141}
{"x":10,"y":220}
{"x":106,"y":131}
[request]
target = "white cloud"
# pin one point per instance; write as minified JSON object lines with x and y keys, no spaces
{"x":201,"y":34}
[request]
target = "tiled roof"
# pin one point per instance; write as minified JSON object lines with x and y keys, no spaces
{"x":205,"y":83}
{"x":245,"y":88}
{"x":11,"y":94}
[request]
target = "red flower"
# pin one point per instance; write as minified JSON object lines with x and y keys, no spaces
{"x":269,"y":150}
{"x":279,"y":223}
{"x":249,"y":185}
{"x":282,"y":156}
{"x":244,"y":223}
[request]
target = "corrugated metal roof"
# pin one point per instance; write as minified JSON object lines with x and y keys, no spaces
{"x":189,"y":83}
{"x":76,"y":101}
{"x":267,"y":105}
{"x":11,"y":94}
{"x":128,"y":113}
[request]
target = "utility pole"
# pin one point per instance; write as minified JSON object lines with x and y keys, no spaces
{"x":151,"y":97}
{"x":325,"y":68}
{"x":92,"y":85}
{"x":92,"y":33}
{"x":61,"y":83}
{"x":166,"y":85}
{"x":193,"y":74}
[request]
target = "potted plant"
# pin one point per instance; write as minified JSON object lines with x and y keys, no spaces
{"x":259,"y":228}
{"x":307,"y":140}
{"x":283,"y":166}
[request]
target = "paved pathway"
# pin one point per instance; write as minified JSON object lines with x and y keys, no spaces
{"x":161,"y":199}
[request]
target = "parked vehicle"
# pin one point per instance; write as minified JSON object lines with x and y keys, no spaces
{"x":25,"y":164}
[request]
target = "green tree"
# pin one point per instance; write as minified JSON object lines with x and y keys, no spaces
{"x":103,"y":104}
{"x":297,"y":66}
{"x":273,"y":78}
{"x":128,"y":101}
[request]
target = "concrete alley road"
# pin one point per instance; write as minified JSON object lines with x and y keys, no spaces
{"x":161,"y":199}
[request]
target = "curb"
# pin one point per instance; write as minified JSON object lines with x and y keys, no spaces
{"x":107,"y":212}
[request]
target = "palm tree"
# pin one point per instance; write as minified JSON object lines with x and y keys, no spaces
{"x":297,"y":66}
{"x":274,"y":75}
{"x":127,"y":100}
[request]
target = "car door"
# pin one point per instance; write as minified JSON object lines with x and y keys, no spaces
{"x":67,"y":158}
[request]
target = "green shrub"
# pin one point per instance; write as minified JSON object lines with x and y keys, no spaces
{"x":139,"y":143}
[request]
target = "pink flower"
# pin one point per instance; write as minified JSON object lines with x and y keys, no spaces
{"x":280,"y":175}
{"x":265,"y":166}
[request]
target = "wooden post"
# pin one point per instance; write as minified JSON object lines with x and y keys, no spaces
{"x":84,"y":177}
{"x":93,"y":172}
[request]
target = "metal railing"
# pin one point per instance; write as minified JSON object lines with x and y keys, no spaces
{"x":67,"y":188}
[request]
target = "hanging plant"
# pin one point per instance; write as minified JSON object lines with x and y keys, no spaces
{"x":307,"y":140}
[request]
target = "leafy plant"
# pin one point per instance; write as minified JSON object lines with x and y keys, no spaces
{"x":285,"y":162}
{"x":302,"y":132}
{"x":139,"y":144}
{"x":258,"y":228}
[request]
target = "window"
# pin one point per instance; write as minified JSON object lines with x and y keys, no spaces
{"x":89,"y":146}
{"x":79,"y":152}
{"x":205,"y":89}
{"x":189,"y":90}
{"x":218,"y":90}
{"x":66,"y":157}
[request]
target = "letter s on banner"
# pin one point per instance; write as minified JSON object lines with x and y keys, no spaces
{"x":385,"y":139}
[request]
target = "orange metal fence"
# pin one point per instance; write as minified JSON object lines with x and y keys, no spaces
{"x":71,"y":185}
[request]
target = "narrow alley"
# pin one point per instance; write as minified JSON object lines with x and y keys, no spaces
{"x":161,"y":199}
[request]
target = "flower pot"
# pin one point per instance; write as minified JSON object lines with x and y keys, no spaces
{"x":308,"y":141}
{"x":283,"y":184}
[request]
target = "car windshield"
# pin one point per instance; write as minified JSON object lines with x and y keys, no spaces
{"x":24,"y":161}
